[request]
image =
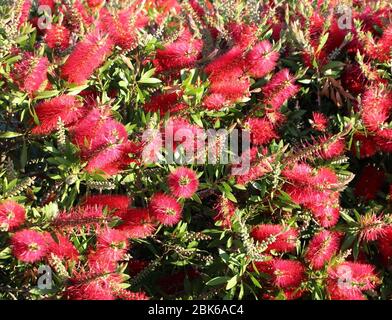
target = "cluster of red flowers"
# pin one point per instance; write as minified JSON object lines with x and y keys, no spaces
{"x":122,"y":86}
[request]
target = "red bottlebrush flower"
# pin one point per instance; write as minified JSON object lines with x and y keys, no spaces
{"x":322,"y":247}
{"x":182,"y":53}
{"x":165,"y":209}
{"x":261,"y":130}
{"x":76,"y":15}
{"x":97,"y":131}
{"x":369,"y":183}
{"x":353,"y":79}
{"x":88,"y":55}
{"x":371,"y":226}
{"x":86,"y":216}
{"x":25,"y":12}
{"x":261,"y":60}
{"x":256,"y":169}
{"x":287,"y":273}
{"x":94,"y":4}
{"x":112,"y":244}
{"x":384,"y":244}
{"x":279,"y":89}
{"x":364,"y":144}
{"x":327,"y":211}
{"x":120,"y":28}
{"x":347,"y":280}
{"x":382,"y":50}
{"x":300,"y":173}
{"x":225,"y":211}
{"x":232,"y":88}
{"x":319,"y":121}
{"x":12,"y":215}
{"x":29,"y":245}
{"x":137,"y":223}
{"x":62,"y":248}
{"x":333,"y":149}
{"x":29,"y":74}
{"x":179,"y":132}
{"x":106,"y":160}
{"x":276,"y":236}
{"x":183,"y":182}
{"x":94,"y":287}
{"x":314,"y":190}
{"x":230,"y":64}
{"x":165,"y":102}
{"x":66,"y":108}
{"x":215,"y":101}
{"x":376,"y":104}
{"x":243,"y":35}
{"x":112,"y":202}
{"x":57,"y":37}
{"x":50,"y":3}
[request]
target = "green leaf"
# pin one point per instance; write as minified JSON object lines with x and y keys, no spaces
{"x":232,"y":282}
{"x":217,"y":281}
{"x":150,"y":81}
{"x":323,"y":41}
{"x":9,"y":134}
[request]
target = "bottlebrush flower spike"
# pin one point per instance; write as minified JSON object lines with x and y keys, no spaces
{"x":95,"y":4}
{"x":376,"y":105}
{"x":25,"y":12}
{"x":276,"y":236}
{"x":319,"y":121}
{"x":165,"y":209}
{"x":110,"y":201}
{"x":12,"y":215}
{"x":183,"y":182}
{"x":87,"y":56}
{"x":371,"y":227}
{"x":137,"y":223}
{"x":322,"y":247}
{"x":347,"y":280}
{"x":230,"y":64}
{"x":78,"y":218}
{"x":261,"y":59}
{"x":30,"y":74}
{"x":382,"y":50}
{"x":112,"y":244}
{"x":62,"y":248}
{"x":287,"y":273}
{"x":182,"y":53}
{"x":97,"y":131}
{"x":29,"y":245}
{"x":57,"y":37}
{"x":93,"y":287}
{"x":261,"y":130}
{"x":165,"y":102}
{"x":259,"y":166}
{"x":106,"y":160}
{"x":66,"y":108}
{"x":331,"y":149}
{"x":353,"y":79}
{"x":279,"y":89}
{"x":243,"y":35}
{"x":225,"y":211}
{"x":120,"y":28}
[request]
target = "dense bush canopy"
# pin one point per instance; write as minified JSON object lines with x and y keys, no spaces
{"x":195,"y":149}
